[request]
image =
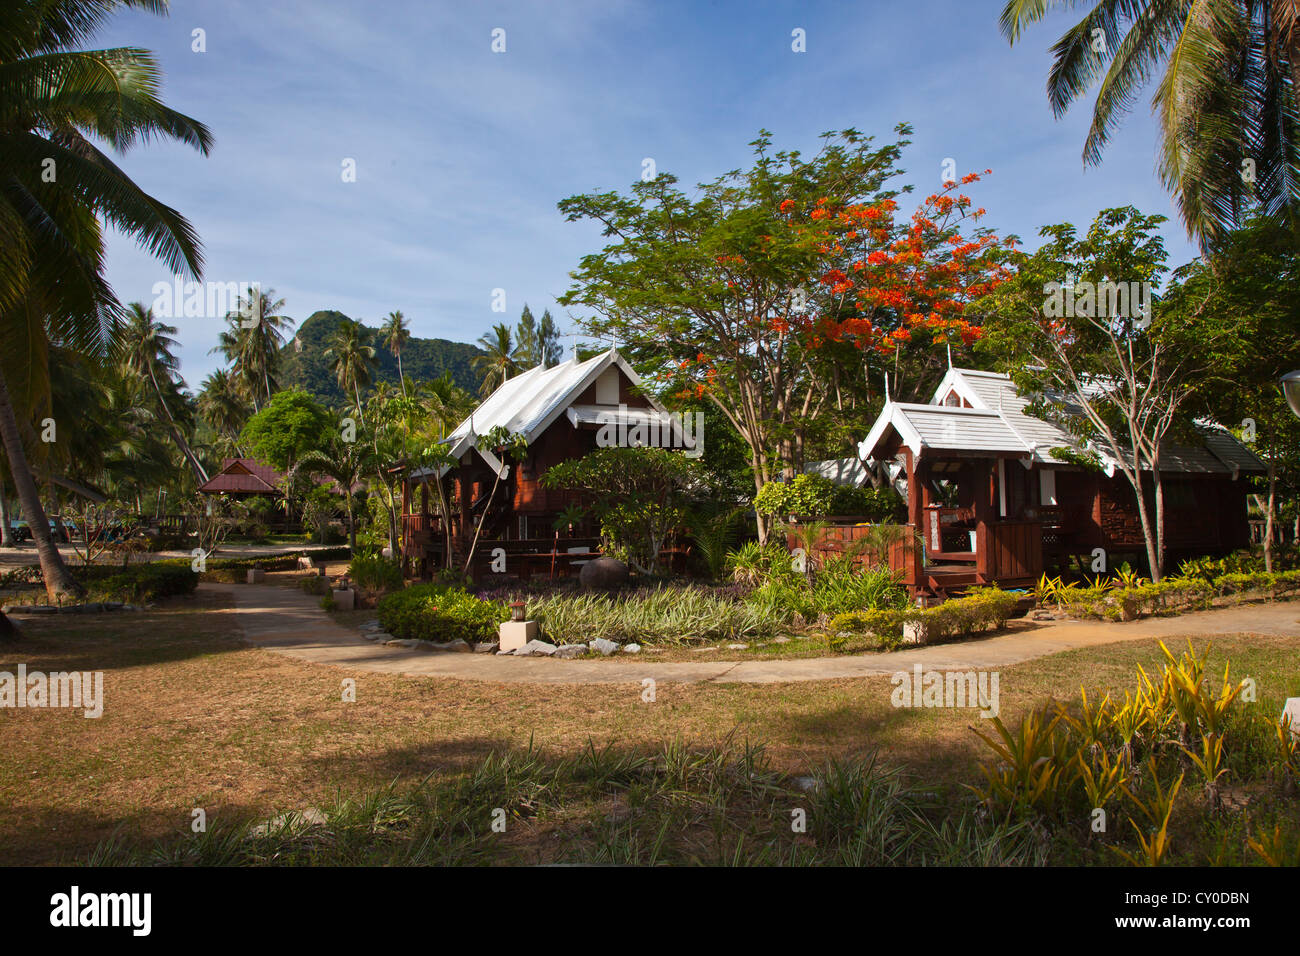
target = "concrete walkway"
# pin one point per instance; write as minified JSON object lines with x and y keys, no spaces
{"x":290,"y":622}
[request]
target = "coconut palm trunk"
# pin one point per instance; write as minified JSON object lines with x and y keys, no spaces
{"x":6,"y":524}
{"x":199,"y":472}
{"x":59,"y":582}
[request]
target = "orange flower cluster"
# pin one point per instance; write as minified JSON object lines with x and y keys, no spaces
{"x":917,"y":278}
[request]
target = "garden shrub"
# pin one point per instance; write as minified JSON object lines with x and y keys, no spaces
{"x":983,"y":609}
{"x":429,"y":612}
{"x":314,"y":584}
{"x":235,"y":570}
{"x":374,"y":572}
{"x":139,"y":583}
{"x":812,"y":496}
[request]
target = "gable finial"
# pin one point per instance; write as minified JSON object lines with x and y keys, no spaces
{"x":949,"y":355}
{"x":887,"y":388}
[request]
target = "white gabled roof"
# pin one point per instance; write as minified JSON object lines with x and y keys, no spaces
{"x":943,"y":428}
{"x":994,"y":391}
{"x":997,"y":423}
{"x":530,"y":402}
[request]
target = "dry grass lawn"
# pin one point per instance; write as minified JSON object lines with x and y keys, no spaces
{"x":195,"y":718}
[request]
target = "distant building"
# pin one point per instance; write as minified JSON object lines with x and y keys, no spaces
{"x":244,"y":478}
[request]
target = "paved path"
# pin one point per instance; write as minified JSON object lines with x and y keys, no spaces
{"x":289,"y":622}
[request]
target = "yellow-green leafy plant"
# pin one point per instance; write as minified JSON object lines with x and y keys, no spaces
{"x":1093,"y":725}
{"x":1035,"y":768}
{"x":1158,"y":809}
{"x":1101,"y":776}
{"x":1274,"y":848}
{"x":1208,"y":759}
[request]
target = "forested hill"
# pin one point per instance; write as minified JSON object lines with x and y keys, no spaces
{"x":421,"y":359}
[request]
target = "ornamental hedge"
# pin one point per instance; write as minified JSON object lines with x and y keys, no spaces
{"x":983,"y":609}
{"x":431,"y":612}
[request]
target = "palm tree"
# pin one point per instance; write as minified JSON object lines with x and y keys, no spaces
{"x":253,"y":341}
{"x":57,"y":101}
{"x":394,"y":334}
{"x":352,"y":357}
{"x":446,"y":404}
{"x":499,"y":363}
{"x":347,"y":462}
{"x":146,"y":350}
{"x":1228,"y":100}
{"x":221,"y":404}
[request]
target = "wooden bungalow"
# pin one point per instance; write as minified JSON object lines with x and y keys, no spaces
{"x":993,"y":504}
{"x":560,"y":411}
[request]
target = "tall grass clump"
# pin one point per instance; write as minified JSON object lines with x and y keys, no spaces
{"x":663,"y":615}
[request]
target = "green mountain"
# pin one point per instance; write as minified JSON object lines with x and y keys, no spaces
{"x":422,"y":359}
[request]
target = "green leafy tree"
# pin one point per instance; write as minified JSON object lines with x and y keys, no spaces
{"x":1112,"y":375}
{"x":639,"y":495}
{"x":548,"y":340}
{"x":1228,"y":99}
{"x":528,"y":350}
{"x":1250,"y":290}
{"x":292,"y":424}
{"x":770,"y":288}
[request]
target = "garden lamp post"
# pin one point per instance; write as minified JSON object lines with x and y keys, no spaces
{"x":1291,"y":389}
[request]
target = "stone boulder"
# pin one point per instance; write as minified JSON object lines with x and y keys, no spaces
{"x":603,"y":573}
{"x":536,"y":649}
{"x":566,"y":651}
{"x":603,"y":646}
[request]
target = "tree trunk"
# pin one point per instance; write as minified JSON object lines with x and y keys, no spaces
{"x":181,"y":443}
{"x":59,"y":583}
{"x":352,"y":524}
{"x":1148,"y":533}
{"x":6,"y":531}
{"x":481,"y":519}
{"x":1268,"y":514}
{"x":1160,"y":521}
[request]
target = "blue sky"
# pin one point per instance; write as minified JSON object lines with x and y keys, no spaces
{"x":461,"y":153}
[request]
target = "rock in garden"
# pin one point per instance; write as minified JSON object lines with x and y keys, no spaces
{"x":403,"y":642}
{"x":603,"y":646}
{"x":487,"y":648}
{"x":631,"y":648}
{"x":458,"y":646}
{"x":737,"y":647}
{"x":567,"y":651}
{"x":604,"y":572}
{"x":780,"y":640}
{"x":806,"y":784}
{"x":536,"y":649}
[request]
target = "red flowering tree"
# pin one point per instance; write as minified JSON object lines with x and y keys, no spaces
{"x":783,"y":292}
